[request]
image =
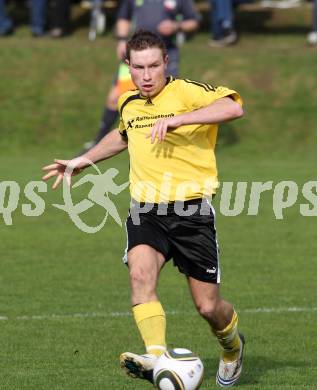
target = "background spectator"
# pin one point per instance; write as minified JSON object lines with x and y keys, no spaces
{"x":60,"y":18}
{"x":312,"y":36}
{"x":222,"y":22}
{"x":38,"y":10}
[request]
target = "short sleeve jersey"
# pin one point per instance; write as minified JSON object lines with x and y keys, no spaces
{"x":183,"y":166}
{"x":147,"y":14}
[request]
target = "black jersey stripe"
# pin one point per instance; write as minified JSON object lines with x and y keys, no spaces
{"x":129,"y":99}
{"x":211,"y":87}
{"x":207,"y":87}
{"x":169,"y":79}
{"x":204,"y":85}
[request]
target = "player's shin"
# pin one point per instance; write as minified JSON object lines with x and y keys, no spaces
{"x":229,"y":339}
{"x":151,"y":322}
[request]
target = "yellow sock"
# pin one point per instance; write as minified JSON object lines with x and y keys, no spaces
{"x":229,"y":340}
{"x":151,"y":322}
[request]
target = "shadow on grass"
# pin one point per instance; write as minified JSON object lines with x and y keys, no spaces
{"x":227,"y":135}
{"x":254,"y":368}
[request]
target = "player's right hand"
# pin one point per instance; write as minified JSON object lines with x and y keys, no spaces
{"x":162,"y":126}
{"x":61,"y":169}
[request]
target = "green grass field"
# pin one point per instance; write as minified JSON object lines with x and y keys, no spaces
{"x":64,"y":294}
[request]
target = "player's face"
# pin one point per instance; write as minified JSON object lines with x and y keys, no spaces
{"x":147,"y":68}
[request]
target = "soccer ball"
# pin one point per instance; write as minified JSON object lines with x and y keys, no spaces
{"x":178,"y":369}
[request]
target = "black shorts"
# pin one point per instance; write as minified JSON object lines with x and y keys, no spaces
{"x":189,"y":239}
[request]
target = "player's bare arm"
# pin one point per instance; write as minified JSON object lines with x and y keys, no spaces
{"x":222,"y":110}
{"x":188,"y":25}
{"x":170,"y":27}
{"x":111,"y":145}
{"x":122,"y":33}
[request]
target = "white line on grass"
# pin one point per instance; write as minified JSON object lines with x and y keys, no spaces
{"x":169,"y":313}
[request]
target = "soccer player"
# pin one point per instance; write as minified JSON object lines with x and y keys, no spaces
{"x":169,"y":127}
{"x":166,"y":18}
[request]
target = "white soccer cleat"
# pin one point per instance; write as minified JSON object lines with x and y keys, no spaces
{"x":138,"y":366}
{"x":229,"y":373}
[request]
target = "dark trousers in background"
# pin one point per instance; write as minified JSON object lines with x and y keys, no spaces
{"x":221,"y":17}
{"x":38,"y":15}
{"x":60,"y":14}
{"x":315,"y":16}
{"x":5,"y":21}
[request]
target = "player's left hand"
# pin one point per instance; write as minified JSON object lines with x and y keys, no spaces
{"x":63,"y":168}
{"x":162,"y":126}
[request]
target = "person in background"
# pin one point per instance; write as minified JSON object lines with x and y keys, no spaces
{"x":222,"y":22}
{"x":312,"y":36}
{"x":38,"y":10}
{"x":60,"y":18}
{"x":168,"y":18}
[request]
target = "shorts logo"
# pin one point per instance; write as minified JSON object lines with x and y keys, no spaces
{"x":212,"y":270}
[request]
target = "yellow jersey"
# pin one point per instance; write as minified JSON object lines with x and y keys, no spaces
{"x":183,"y":166}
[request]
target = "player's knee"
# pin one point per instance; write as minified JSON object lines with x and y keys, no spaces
{"x":207,"y":309}
{"x":139,"y":278}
